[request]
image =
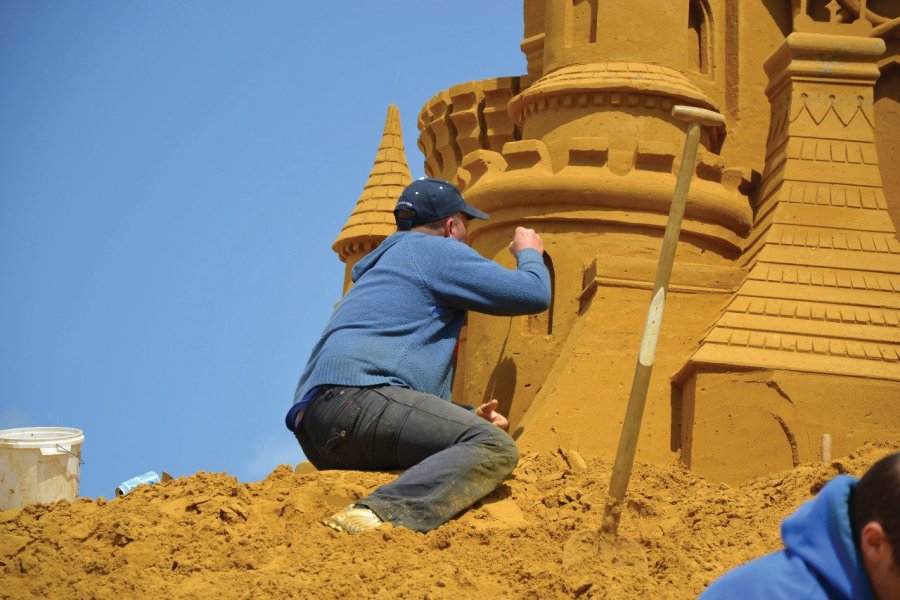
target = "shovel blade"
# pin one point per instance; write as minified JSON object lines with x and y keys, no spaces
{"x":592,"y":560}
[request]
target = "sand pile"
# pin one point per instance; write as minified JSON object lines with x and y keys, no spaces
{"x":209,"y":536}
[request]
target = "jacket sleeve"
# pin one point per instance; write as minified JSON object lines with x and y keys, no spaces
{"x":457,"y":276}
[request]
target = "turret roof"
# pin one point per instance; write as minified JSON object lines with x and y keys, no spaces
{"x":372,"y":218}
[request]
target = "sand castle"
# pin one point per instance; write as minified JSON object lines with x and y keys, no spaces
{"x":783,"y":317}
{"x":781,"y":325}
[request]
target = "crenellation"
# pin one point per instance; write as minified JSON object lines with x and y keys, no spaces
{"x":660,"y":156}
{"x":710,"y":166}
{"x":480,"y":164}
{"x":498,"y":125}
{"x":527,"y":155}
{"x":590,"y":152}
{"x":466,"y":115}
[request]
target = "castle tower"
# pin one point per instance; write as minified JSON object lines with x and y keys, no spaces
{"x":591,"y":167}
{"x":810,"y":343}
{"x":372,"y":219}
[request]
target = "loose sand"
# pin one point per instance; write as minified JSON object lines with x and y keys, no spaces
{"x":208,"y":536}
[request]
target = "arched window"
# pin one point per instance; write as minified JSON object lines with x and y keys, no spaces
{"x":583,"y":23}
{"x":699,"y":38}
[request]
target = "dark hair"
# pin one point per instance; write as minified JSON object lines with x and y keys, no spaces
{"x":436,"y":225}
{"x":877,"y":498}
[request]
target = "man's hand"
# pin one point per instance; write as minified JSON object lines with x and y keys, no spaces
{"x":488,"y":410}
{"x":526,"y":238}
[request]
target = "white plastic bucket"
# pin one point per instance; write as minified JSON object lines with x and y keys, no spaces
{"x":39,"y":464}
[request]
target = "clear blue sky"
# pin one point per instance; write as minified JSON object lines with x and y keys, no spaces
{"x":172,"y":177}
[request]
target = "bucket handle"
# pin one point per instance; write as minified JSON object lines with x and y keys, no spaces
{"x":48,"y":451}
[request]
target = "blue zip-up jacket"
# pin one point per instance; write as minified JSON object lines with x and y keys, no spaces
{"x":399,"y":323}
{"x":819,"y":561}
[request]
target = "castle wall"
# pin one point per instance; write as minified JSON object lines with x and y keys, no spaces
{"x":735,"y":425}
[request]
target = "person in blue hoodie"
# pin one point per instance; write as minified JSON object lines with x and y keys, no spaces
{"x":375,"y":392}
{"x":842,"y":544}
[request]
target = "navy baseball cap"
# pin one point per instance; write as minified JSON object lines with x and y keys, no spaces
{"x":429,"y":200}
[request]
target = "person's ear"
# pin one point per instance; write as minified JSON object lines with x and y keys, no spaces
{"x":873,"y":543}
{"x":449,"y":226}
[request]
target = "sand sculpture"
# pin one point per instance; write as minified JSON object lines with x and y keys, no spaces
{"x":782,"y":317}
{"x":781,"y":323}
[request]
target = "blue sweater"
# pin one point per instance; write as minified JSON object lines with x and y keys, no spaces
{"x":819,"y":561}
{"x":399,"y":323}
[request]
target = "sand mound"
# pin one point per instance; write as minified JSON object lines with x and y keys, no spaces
{"x":209,"y":536}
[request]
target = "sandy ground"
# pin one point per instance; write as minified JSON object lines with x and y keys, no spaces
{"x":208,"y":536}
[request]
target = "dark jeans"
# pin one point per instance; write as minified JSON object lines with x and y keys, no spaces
{"x":452,"y":457}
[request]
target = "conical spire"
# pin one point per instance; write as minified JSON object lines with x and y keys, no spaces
{"x":372,"y":219}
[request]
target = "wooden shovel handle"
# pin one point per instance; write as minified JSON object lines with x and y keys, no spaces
{"x":631,"y":426}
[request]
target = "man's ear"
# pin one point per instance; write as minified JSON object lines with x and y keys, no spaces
{"x":873,"y":543}
{"x":449,"y":226}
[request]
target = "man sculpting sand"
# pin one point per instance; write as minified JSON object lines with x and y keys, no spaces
{"x":374,"y":395}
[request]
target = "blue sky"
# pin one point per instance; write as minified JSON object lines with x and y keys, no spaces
{"x":172,"y":177}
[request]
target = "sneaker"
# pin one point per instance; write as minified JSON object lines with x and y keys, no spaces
{"x":354,"y":520}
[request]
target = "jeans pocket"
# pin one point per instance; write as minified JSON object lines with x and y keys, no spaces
{"x":343,"y":413}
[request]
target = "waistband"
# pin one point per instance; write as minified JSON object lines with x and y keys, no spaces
{"x":295,"y":414}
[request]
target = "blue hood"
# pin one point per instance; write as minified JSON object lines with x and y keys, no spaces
{"x":819,"y":533}
{"x":819,"y":561}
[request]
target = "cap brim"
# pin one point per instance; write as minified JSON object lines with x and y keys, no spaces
{"x":475,"y":213}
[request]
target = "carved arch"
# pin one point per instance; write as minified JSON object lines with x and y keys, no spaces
{"x":700,"y":32}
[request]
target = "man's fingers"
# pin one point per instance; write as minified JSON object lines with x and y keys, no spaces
{"x":488,"y":412}
{"x":526,"y":238}
{"x":487,"y":407}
